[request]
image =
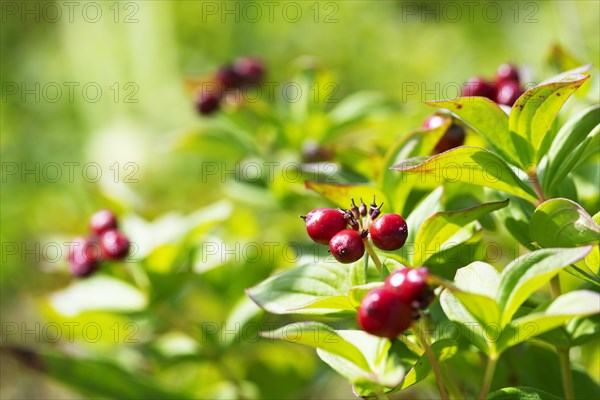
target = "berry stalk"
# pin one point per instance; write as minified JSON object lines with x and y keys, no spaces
{"x":373,"y":255}
{"x":432,"y":360}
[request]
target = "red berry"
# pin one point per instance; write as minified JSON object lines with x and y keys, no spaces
{"x":507,"y":72}
{"x":114,"y":244}
{"x":228,"y":78}
{"x":103,"y":220}
{"x":323,"y":223}
{"x":389,"y":232}
{"x":434,"y":121}
{"x":453,"y":137}
{"x":347,"y":246}
{"x":84,"y":257}
{"x":411,"y":286}
{"x":508,"y":93}
{"x":250,"y":69}
{"x":208,"y":103}
{"x":477,"y":86}
{"x":382,"y":313}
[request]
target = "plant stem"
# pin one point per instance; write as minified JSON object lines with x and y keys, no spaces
{"x":535,"y":182}
{"x":563,"y":353}
{"x":565,"y":372}
{"x":373,"y":255}
{"x":453,"y":390}
{"x":489,"y":374}
{"x":432,"y":360}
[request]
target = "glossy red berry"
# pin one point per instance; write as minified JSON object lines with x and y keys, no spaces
{"x":228,"y":77}
{"x":410,"y":284}
{"x":453,"y":137}
{"x":84,"y":257}
{"x":382,"y":313}
{"x":389,"y":232}
{"x":208,"y":103}
{"x":250,"y":69}
{"x":477,"y":86}
{"x":434,"y":121}
{"x":323,"y":223}
{"x":114,"y":244}
{"x":507,"y":72}
{"x":102,"y":221}
{"x":347,"y":246}
{"x":508,"y":93}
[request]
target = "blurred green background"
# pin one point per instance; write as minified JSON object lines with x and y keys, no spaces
{"x":104,"y":84}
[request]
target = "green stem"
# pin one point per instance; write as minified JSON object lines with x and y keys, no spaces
{"x":453,"y":390}
{"x":537,"y":188}
{"x":373,"y":255}
{"x":432,"y":360}
{"x":489,"y":374}
{"x":563,"y":353}
{"x":565,"y":372}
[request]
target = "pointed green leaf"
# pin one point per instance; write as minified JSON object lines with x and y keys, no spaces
{"x":309,"y":289}
{"x":442,"y":230}
{"x":566,"y":307}
{"x":521,"y":393}
{"x":533,"y":113}
{"x":567,"y":147}
{"x":528,"y":273}
{"x":563,"y":223}
{"x":384,"y":369}
{"x":486,"y":118}
{"x":320,"y":336}
{"x":357,"y":293}
{"x":472,"y":165}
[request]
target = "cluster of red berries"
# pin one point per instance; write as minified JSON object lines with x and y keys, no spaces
{"x":347,"y":245}
{"x":454,"y":135}
{"x":505,"y":89}
{"x":244,"y":71}
{"x":390,"y":310}
{"x":106,"y":242}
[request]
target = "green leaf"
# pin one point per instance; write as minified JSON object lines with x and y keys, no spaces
{"x":443,"y":229}
{"x":430,"y":204}
{"x":355,"y":108}
{"x":566,"y":307}
{"x":521,"y":393}
{"x":321,"y":336}
{"x":357,"y":293}
{"x":418,"y":143}
{"x":384,"y":369}
{"x":342,"y":194}
{"x":563,"y":223}
{"x":358,"y":272}
{"x":472,"y":300}
{"x":528,"y":273}
{"x":516,"y":218}
{"x":486,"y":118}
{"x":443,"y":350}
{"x":568,"y":146}
{"x":94,"y":378}
{"x":309,"y":289}
{"x":472,"y":165}
{"x":533,"y":113}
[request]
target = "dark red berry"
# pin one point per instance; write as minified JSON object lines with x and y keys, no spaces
{"x":477,"y":86}
{"x":410,"y":284}
{"x":382,"y":313}
{"x":508,"y":93}
{"x":434,"y":121}
{"x":103,"y":220}
{"x":312,"y":152}
{"x":228,"y":78}
{"x":250,"y":69}
{"x":507,"y":72}
{"x":208,"y":103}
{"x":347,"y":246}
{"x":323,"y":223}
{"x":84,"y":257}
{"x":389,"y":232}
{"x":114,"y":244}
{"x":453,"y":137}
